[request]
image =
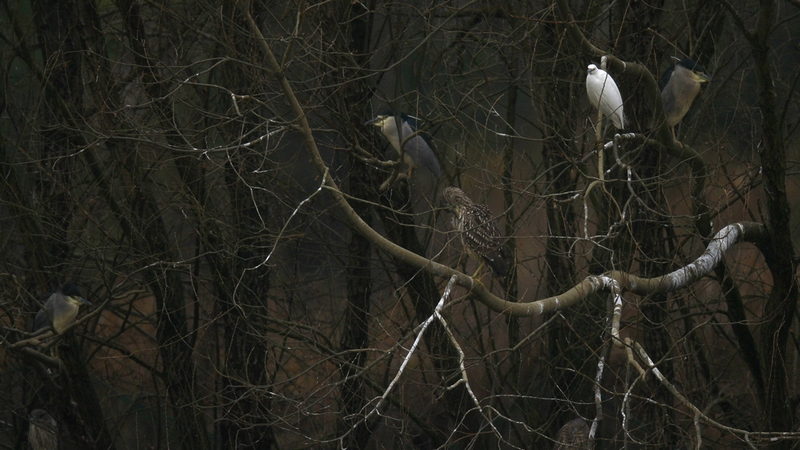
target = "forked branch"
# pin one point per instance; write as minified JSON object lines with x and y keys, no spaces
{"x":615,"y":282}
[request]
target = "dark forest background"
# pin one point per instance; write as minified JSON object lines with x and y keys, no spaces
{"x":198,"y":169}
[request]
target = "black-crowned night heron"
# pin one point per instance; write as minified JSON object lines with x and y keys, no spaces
{"x":479,"y":233}
{"x":60,"y":309}
{"x":574,"y":435}
{"x":419,"y":150}
{"x":42,"y":431}
{"x":604,"y":95}
{"x":679,"y":87}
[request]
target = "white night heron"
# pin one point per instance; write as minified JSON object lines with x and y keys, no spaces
{"x":604,"y":95}
{"x":418,"y":149}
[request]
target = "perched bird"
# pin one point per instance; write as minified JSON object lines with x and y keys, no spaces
{"x":419,"y":150}
{"x":60,"y":309}
{"x":679,"y":87}
{"x":604,"y":95}
{"x":479,"y":233}
{"x":42,"y":431}
{"x":574,"y":435}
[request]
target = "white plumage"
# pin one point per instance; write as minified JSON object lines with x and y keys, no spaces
{"x":604,"y":95}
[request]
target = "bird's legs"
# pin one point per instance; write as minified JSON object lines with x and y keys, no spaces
{"x":405,"y":175}
{"x":480,"y":267}
{"x":475,"y":275}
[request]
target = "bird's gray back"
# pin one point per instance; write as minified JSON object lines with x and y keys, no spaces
{"x":42,"y":320}
{"x":421,"y":151}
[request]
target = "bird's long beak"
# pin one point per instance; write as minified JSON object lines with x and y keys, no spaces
{"x":84,"y":301}
{"x":700,"y":77}
{"x":372,"y":121}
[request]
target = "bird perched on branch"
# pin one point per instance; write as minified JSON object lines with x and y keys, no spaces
{"x":604,"y":95}
{"x":42,"y":431}
{"x":60,"y":309}
{"x":679,"y":87}
{"x":479,"y":233}
{"x":419,"y":150}
{"x":574,"y":435}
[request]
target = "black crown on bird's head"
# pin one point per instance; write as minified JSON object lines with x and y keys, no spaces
{"x":686,"y":63}
{"x":690,"y":64}
{"x":70,"y":290}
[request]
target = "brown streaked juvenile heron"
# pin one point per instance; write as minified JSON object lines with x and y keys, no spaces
{"x":419,"y":150}
{"x":574,"y":435}
{"x":42,"y":431}
{"x":679,"y":87}
{"x":479,"y":233}
{"x":60,"y":309}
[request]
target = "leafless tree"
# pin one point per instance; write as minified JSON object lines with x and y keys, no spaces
{"x":262,"y":278}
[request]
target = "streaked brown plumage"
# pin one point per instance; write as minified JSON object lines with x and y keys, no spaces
{"x":42,"y":431}
{"x":574,"y":435}
{"x":479,"y":233}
